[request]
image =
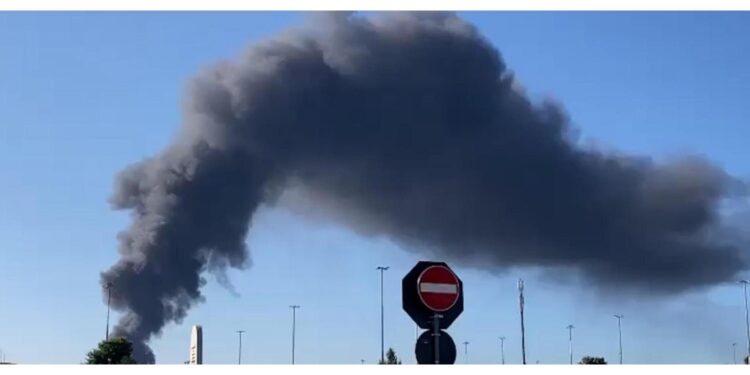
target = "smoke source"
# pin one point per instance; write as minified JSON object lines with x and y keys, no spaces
{"x":410,"y":126}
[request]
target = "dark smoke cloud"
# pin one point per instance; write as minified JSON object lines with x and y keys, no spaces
{"x":409,"y":126}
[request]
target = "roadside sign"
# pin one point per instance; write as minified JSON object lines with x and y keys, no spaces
{"x":438,"y":288}
{"x":430,"y":288}
{"x":425,"y":349}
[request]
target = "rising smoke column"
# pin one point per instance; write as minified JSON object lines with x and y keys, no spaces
{"x":409,"y":126}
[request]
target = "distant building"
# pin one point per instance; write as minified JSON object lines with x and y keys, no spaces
{"x":196,"y":346}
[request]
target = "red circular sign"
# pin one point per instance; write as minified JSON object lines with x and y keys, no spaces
{"x":438,"y":288}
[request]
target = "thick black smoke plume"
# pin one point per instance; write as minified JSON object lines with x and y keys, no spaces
{"x":410,"y":126}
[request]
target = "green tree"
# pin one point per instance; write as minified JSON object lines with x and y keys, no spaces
{"x":747,"y":360}
{"x":390,"y":358}
{"x":115,"y":351}
{"x":592,"y":361}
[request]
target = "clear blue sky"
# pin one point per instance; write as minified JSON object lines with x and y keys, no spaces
{"x":83,"y":95}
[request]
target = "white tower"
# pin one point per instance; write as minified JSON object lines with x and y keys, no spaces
{"x":196,"y":346}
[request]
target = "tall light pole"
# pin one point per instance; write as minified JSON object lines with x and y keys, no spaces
{"x":523,"y":330}
{"x":239,"y":350}
{"x":294,"y":326}
{"x":619,"y":331}
{"x":502,"y":349}
{"x":734,"y":353}
{"x":109,"y":298}
{"x":382,"y":320}
{"x":747,"y":315}
{"x":466,"y":352}
{"x":570,"y":342}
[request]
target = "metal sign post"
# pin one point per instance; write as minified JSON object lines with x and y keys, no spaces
{"x":436,"y":334}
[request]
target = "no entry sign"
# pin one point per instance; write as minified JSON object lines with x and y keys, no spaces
{"x":438,"y":288}
{"x":433,"y":298}
{"x":432,"y":288}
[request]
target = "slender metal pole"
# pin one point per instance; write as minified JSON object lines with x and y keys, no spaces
{"x":570,"y":342}
{"x":109,"y":298}
{"x":502,"y":350}
{"x":239,"y":351}
{"x":747,"y":316}
{"x":523,"y":330}
{"x":734,"y":353}
{"x":466,"y":352}
{"x":382,"y":316}
{"x":436,"y":335}
{"x":294,"y":326}
{"x":619,"y":331}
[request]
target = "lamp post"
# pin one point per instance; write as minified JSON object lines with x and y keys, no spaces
{"x":747,"y":315}
{"x":294,"y":326}
{"x":239,"y":350}
{"x":466,"y":352}
{"x":502,"y":349}
{"x":109,"y":298}
{"x":382,"y":320}
{"x":570,"y":342}
{"x":619,"y":331}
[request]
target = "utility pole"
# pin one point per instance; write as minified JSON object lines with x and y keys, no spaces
{"x":747,"y":316}
{"x":239,"y":354}
{"x":109,"y":298}
{"x":382,"y":320}
{"x":294,"y":326}
{"x":502,"y":349}
{"x":619,"y":331}
{"x":466,"y":352}
{"x":523,"y":330}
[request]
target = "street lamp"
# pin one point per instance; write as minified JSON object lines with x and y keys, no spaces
{"x":109,"y":297}
{"x":502,"y":349}
{"x":294,"y":326}
{"x":382,"y":324}
{"x":239,"y":350}
{"x":619,"y":330}
{"x":747,"y":316}
{"x":570,"y":341}
{"x":466,"y":352}
{"x":734,"y":353}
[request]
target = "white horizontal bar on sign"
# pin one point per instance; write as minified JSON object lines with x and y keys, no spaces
{"x":438,"y":288}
